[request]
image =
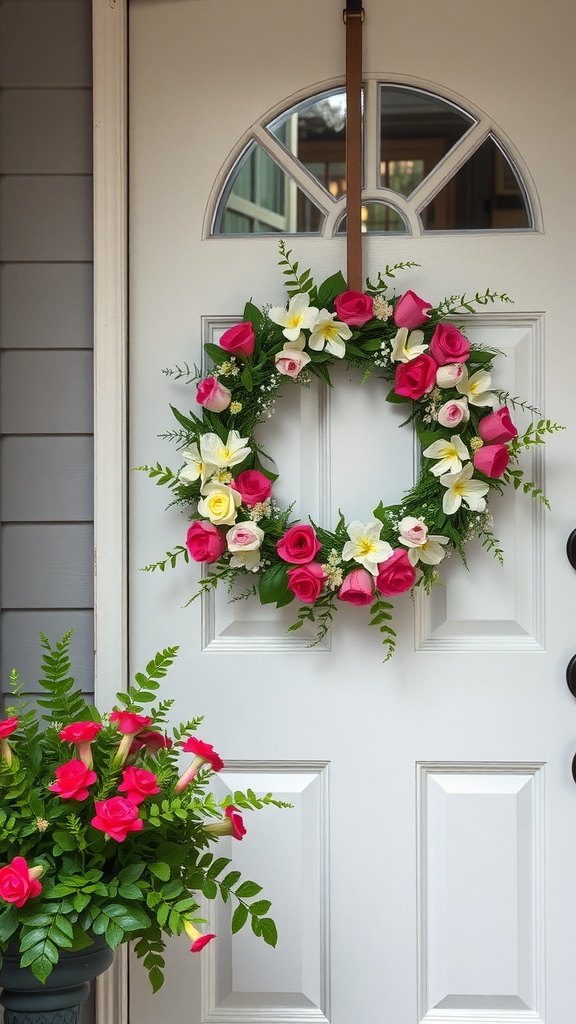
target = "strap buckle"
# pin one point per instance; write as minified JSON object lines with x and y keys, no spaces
{"x":352,"y":14}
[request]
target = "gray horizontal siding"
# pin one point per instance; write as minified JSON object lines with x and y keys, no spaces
{"x":58,"y":136}
{"x":46,"y":479}
{"x":21,"y":645}
{"x":46,"y":305}
{"x":46,"y":392}
{"x":46,"y":218}
{"x":47,"y":565}
{"x":45,"y":43}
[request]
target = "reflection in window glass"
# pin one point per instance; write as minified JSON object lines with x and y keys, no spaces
{"x":378,"y":218}
{"x":262,"y":199}
{"x":416,"y":131}
{"x":315,"y":132}
{"x":484,"y":194}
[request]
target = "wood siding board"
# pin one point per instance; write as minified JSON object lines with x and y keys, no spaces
{"x":46,"y":305}
{"x":45,"y":43}
{"x":45,"y":131}
{"x":46,"y":479}
{"x":46,"y":217}
{"x":21,"y":645}
{"x":46,"y":392}
{"x":47,"y":566}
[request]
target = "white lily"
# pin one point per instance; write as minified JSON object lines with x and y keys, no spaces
{"x":406,"y":346}
{"x":329,"y":333}
{"x":299,"y":316}
{"x":365,"y":545}
{"x":476,"y":388}
{"x":451,"y":454}
{"x":219,"y":453}
{"x":195,"y":468}
{"x":431,"y":552}
{"x":461,"y":487}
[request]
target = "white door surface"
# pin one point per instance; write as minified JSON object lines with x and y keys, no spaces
{"x":426,"y":871}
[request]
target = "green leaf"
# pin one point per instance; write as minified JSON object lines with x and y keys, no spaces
{"x":260,"y":908}
{"x":273,"y":585}
{"x":8,"y":923}
{"x":156,"y":978}
{"x":269,"y":931}
{"x":246,"y":378}
{"x":130,"y":919}
{"x":253,"y":315}
{"x":256,"y":926}
{"x":396,"y":399}
{"x":161,"y":871}
{"x":330,"y":288}
{"x":217,"y":354}
{"x":114,"y":934}
{"x":248,"y":889}
{"x":230,"y":880}
{"x":65,"y":840}
{"x":209,"y":889}
{"x":130,"y":892}
{"x":219,"y":864}
{"x":239,"y":918}
{"x":131,"y":873}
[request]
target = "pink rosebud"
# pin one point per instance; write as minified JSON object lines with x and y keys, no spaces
{"x":138,"y":783}
{"x":80,"y":732}
{"x":204,"y":541}
{"x":307,"y":581}
{"x":357,"y":588}
{"x":411,"y":311}
{"x":416,"y":378}
{"x":354,"y":308}
{"x":117,"y":817}
{"x":200,"y":942}
{"x":449,"y":345}
{"x":252,"y":486}
{"x":299,"y":544}
{"x":412,"y":532}
{"x":128,"y":723}
{"x":18,"y":882}
{"x":205,"y":754}
{"x":7,"y":727}
{"x":72,"y":780}
{"x":290,"y":361}
{"x":396,"y":574}
{"x":212,"y":395}
{"x":231,"y":825}
{"x":497,"y":427}
{"x":150,"y":741}
{"x":239,"y":340}
{"x":449,"y":375}
{"x":453,"y":413}
{"x":492,"y":459}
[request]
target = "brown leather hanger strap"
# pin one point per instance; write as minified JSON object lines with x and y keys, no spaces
{"x":353,"y":17}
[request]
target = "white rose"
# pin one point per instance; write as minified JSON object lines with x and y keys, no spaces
{"x":450,"y":375}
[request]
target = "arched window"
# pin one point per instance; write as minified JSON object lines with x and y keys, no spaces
{"x":428,"y":166}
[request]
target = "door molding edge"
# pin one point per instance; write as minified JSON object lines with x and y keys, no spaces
{"x":110,"y":170}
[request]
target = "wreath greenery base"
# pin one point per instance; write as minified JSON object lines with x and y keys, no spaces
{"x":469,"y":445}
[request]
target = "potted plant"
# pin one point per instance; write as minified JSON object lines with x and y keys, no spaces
{"x":103,"y":839}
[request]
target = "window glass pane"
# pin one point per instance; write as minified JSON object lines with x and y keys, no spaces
{"x":315,"y":132}
{"x":484,"y":194}
{"x":378,"y":218}
{"x":416,"y":131}
{"x":262,"y":199}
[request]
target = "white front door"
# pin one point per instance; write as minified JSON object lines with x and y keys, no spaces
{"x":426,"y":871}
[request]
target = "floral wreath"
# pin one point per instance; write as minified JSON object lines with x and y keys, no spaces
{"x":469,"y":447}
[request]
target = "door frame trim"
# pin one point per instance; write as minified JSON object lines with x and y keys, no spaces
{"x":110,"y":170}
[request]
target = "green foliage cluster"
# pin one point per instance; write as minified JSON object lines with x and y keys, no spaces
{"x":143,"y":888}
{"x":255,"y":385}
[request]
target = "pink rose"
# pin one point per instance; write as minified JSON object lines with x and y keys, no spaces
{"x":411,"y":311}
{"x":357,"y":588}
{"x":204,"y":541}
{"x":18,"y":882}
{"x":413,"y":532}
{"x":492,"y":459}
{"x":416,"y":378}
{"x":307,"y":581}
{"x":80,"y":732}
{"x":7,"y":727}
{"x":450,"y":375}
{"x":298,"y":545}
{"x":239,"y":340}
{"x":354,"y":308}
{"x":290,"y":361}
{"x":201,"y":941}
{"x":72,"y":780}
{"x":396,"y":574}
{"x":128,"y":723}
{"x":138,"y":783}
{"x":449,"y":345}
{"x":497,"y":427}
{"x":454,"y":413}
{"x":252,"y":486}
{"x":117,"y":817}
{"x":212,"y":395}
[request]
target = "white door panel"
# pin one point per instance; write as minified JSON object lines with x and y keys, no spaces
{"x":426,"y":871}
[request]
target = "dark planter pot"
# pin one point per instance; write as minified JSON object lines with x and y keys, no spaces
{"x":27,"y":1001}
